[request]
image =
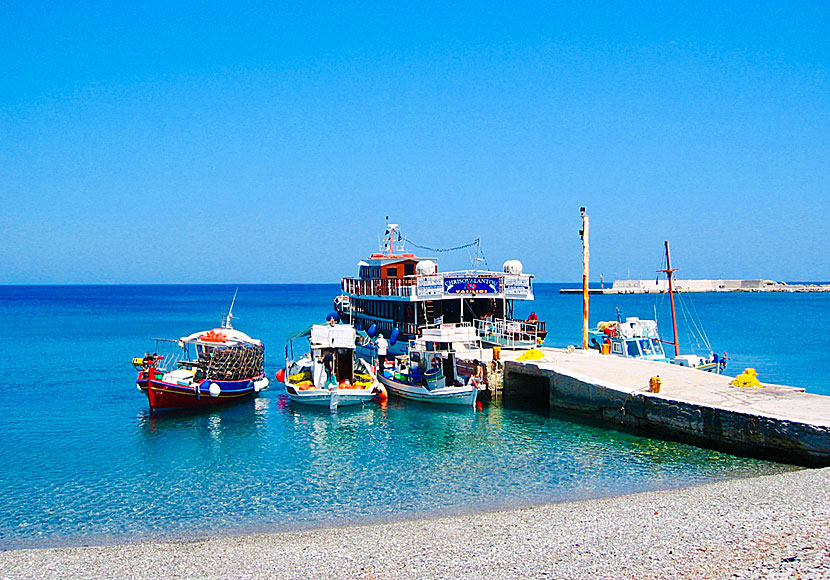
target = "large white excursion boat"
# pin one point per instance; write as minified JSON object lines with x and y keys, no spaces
{"x":398,"y":293}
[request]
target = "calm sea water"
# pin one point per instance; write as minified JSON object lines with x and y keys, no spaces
{"x":84,"y":462}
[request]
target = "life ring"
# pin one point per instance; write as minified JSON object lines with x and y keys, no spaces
{"x":436,"y":361}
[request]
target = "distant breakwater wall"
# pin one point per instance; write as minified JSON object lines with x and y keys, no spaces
{"x":662,"y":286}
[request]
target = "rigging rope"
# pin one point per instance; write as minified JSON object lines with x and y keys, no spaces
{"x":471,"y":244}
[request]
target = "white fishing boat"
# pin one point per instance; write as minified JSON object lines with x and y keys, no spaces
{"x":636,"y":338}
{"x":445,"y":365}
{"x":353,"y":381}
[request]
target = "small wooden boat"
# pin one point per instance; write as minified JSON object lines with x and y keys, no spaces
{"x":353,"y":381}
{"x":204,"y":369}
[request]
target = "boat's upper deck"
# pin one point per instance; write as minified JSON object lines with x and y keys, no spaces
{"x":441,"y":286}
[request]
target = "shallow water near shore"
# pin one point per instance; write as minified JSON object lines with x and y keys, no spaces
{"x":86,"y":463}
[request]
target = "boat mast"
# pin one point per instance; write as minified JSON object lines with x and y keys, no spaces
{"x":669,"y":271}
{"x":227,"y":322}
{"x":586,"y":254}
{"x":391,"y":229}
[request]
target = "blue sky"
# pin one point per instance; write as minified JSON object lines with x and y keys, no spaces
{"x":266,"y":142}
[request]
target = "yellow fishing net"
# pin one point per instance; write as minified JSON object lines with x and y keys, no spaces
{"x":748,"y":378}
{"x":532,"y":354}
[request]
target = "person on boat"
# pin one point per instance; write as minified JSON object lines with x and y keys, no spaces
{"x":328,"y":364}
{"x":477,"y":378}
{"x":383,"y":346}
{"x":532,"y":317}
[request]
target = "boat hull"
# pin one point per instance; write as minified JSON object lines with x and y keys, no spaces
{"x":167,"y":396}
{"x":323,"y":397}
{"x":713,"y":367}
{"x":462,"y":396}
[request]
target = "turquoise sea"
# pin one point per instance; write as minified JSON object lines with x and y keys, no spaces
{"x":85,"y":463}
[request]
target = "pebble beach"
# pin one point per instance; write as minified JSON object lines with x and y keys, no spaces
{"x":774,"y":526}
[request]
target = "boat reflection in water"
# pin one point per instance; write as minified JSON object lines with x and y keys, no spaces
{"x":243,"y":419}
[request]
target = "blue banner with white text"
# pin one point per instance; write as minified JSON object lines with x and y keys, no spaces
{"x":472,"y":285}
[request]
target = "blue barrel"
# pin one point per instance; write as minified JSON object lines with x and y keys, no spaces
{"x":372,"y":331}
{"x":393,"y":338}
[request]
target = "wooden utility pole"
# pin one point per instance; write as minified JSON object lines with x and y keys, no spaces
{"x":586,"y":255}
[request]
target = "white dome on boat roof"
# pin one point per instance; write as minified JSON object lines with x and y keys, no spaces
{"x":513,"y":267}
{"x":426,"y":268}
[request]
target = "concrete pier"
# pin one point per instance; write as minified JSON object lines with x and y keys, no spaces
{"x":774,"y":422}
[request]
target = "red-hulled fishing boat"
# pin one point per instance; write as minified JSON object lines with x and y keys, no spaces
{"x":206,"y":368}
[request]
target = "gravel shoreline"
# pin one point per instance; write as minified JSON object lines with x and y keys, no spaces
{"x":775,"y":526}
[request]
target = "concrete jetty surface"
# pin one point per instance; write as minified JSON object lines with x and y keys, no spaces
{"x":774,"y":422}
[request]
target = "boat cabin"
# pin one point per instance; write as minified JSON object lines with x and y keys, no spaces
{"x":633,"y":338}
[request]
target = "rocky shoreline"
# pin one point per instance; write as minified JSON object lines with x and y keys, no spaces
{"x":767,"y":527}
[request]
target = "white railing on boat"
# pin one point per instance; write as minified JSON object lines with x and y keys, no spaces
{"x":521,"y":286}
{"x":170,"y":354}
{"x":401,"y":287}
{"x":508,"y":333}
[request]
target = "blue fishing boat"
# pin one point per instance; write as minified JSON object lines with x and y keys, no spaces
{"x":636,"y":338}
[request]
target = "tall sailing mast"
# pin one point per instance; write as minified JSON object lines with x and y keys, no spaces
{"x":669,"y":271}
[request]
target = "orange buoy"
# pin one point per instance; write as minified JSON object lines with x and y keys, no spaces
{"x":281,"y":375}
{"x":382,"y":395}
